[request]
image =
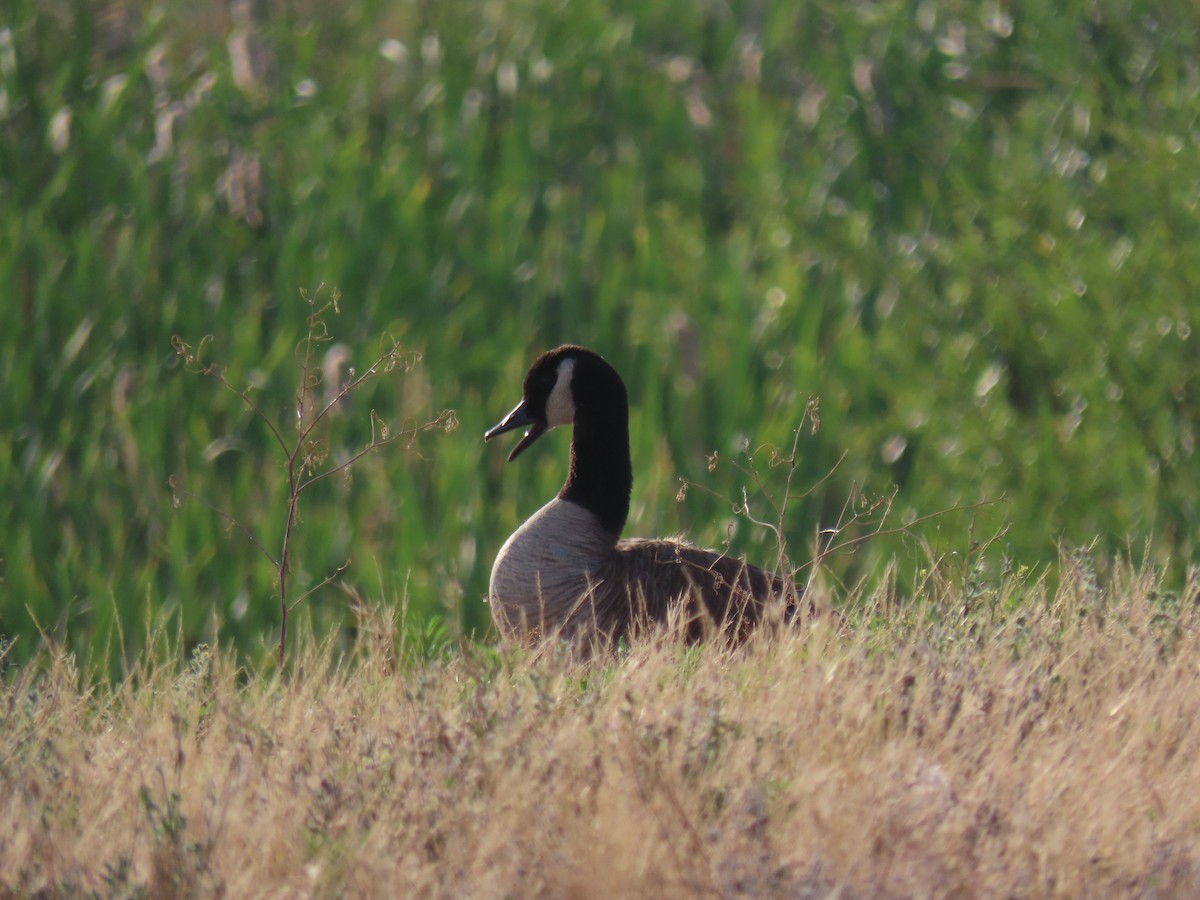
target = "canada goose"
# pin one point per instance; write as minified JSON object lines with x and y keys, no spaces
{"x":566,"y":571}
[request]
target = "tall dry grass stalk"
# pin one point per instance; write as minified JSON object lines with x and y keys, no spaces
{"x":1042,"y":745}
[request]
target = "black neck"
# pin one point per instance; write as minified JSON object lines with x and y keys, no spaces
{"x":601,"y":475}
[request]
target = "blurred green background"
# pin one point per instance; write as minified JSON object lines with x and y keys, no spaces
{"x":970,"y":228}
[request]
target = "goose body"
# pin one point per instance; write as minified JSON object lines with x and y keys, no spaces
{"x":566,"y":571}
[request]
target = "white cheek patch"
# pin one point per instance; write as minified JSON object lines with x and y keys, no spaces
{"x":560,"y":405}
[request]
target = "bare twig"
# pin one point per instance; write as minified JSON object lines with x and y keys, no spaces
{"x":213,"y":371}
{"x":328,"y":579}
{"x":446,"y":420}
{"x":880,"y":531}
{"x":306,"y":454}
{"x":178,"y":491}
{"x":858,"y":510}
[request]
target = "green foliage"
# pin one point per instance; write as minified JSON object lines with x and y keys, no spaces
{"x":969,"y":229}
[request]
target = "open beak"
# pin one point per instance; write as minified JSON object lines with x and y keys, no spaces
{"x":518,"y":418}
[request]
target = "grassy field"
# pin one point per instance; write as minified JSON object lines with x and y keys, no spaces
{"x":1030,"y":746}
{"x":960,"y":238}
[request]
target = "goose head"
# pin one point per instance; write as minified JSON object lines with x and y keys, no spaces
{"x":563,"y":387}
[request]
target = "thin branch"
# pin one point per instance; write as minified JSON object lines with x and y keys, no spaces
{"x":744,"y":511}
{"x":254,"y":407}
{"x":689,"y":484}
{"x":328,"y":579}
{"x":316,"y":332}
{"x":444,"y":420}
{"x":233,"y":521}
{"x":885,"y":532}
{"x":213,"y":371}
{"x":371,"y":371}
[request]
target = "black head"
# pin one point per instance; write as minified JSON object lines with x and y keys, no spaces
{"x":561,"y":385}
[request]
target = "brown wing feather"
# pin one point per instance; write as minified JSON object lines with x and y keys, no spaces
{"x":712,"y":591}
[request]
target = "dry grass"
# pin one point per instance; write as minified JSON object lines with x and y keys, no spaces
{"x":1052,"y":750}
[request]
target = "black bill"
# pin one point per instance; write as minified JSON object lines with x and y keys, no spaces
{"x":518,"y":418}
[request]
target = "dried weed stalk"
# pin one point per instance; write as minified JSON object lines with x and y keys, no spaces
{"x":863,"y":516}
{"x":307,"y":453}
